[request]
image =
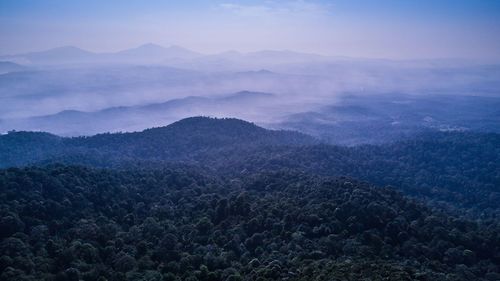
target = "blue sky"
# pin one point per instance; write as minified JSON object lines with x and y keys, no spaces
{"x":360,"y":28}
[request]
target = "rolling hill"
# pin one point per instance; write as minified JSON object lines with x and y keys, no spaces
{"x":442,"y":166}
{"x":134,"y":118}
{"x":147,"y":53}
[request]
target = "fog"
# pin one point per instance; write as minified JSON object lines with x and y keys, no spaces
{"x":69,"y":91}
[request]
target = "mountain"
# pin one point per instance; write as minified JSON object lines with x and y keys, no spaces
{"x":173,"y":55}
{"x":178,"y":141}
{"x":66,"y":54}
{"x":6,"y":67}
{"x":236,"y":61}
{"x":156,"y":53}
{"x":361,"y":119}
{"x":133,"y":118}
{"x":219,"y":199}
{"x":148,"y":53}
{"x":439,"y":167}
{"x":284,"y":56}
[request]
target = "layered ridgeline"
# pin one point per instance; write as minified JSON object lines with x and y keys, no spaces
{"x":461,"y":168}
{"x":185,"y":140}
{"x":78,"y":223}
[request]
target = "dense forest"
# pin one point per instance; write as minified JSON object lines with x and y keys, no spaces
{"x":223,"y":199}
{"x":461,"y":168}
{"x":77,"y":223}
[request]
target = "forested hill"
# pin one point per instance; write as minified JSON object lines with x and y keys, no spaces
{"x":222,"y":199}
{"x":458,"y":167}
{"x":77,"y":223}
{"x":181,"y":140}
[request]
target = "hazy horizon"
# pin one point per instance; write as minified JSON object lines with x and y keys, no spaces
{"x":387,"y":29}
{"x":249,"y":140}
{"x":173,"y":45}
{"x":326,"y":56}
{"x":131,"y":77}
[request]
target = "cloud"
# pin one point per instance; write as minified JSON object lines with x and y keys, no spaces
{"x":246,"y":10}
{"x":298,"y":8}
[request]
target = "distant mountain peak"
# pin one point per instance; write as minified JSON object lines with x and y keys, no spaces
{"x":250,"y":93}
{"x":205,"y":120}
{"x":151,"y":50}
{"x":7,"y":66}
{"x":66,"y":50}
{"x":67,"y":47}
{"x":150,"y":46}
{"x":144,"y":48}
{"x":262,"y":71}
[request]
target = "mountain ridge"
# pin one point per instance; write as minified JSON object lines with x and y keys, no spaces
{"x":145,"y":53}
{"x":440,"y":165}
{"x":178,"y":141}
{"x":70,"y":122}
{"x":150,"y":52}
{"x":7,"y":66}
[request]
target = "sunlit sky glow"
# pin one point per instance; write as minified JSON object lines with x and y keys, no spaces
{"x":359,"y":28}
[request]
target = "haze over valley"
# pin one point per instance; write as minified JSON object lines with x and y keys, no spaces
{"x":66,"y":90}
{"x":249,"y":140}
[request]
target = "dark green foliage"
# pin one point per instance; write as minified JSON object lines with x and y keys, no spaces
{"x":222,"y":199}
{"x":461,"y":168}
{"x":78,"y":223}
{"x":183,"y":140}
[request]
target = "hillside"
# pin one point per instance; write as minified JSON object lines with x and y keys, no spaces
{"x":454,"y":167}
{"x":77,"y":223}
{"x":147,"y":53}
{"x":181,"y":141}
{"x":262,"y":140}
{"x":134,"y":118}
{"x":6,"y":66}
{"x":382,"y":118}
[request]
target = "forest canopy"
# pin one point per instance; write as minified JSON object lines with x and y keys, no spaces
{"x":223,"y":199}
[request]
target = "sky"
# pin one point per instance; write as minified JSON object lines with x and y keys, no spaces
{"x":395,"y":29}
